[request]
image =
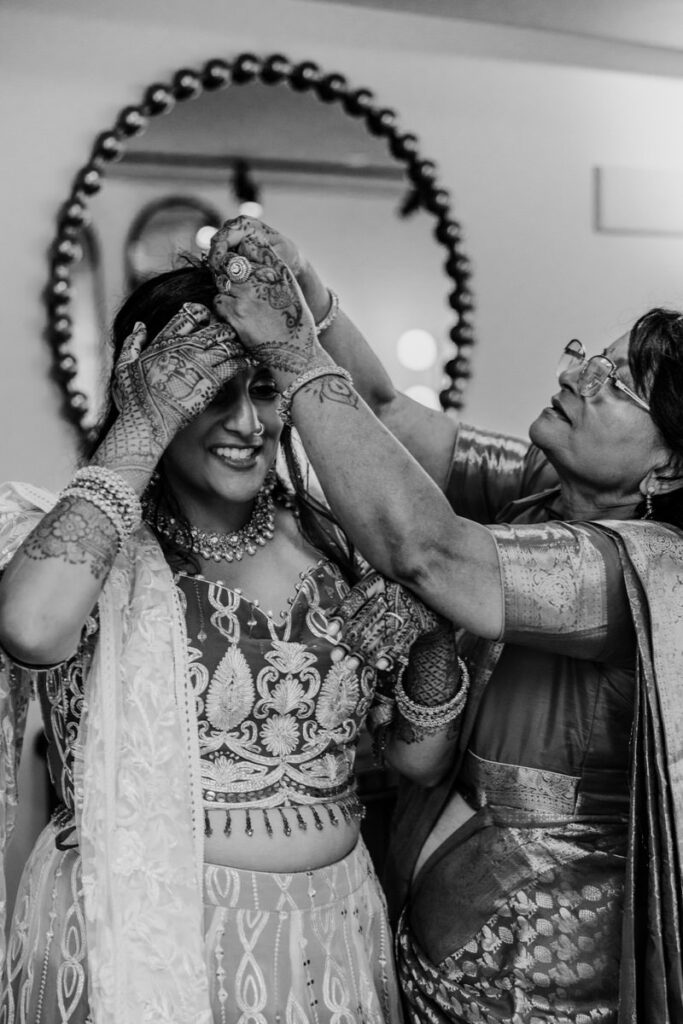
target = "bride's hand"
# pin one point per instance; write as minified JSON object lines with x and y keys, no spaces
{"x":160,"y":386}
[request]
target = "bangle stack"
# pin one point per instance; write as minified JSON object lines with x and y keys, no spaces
{"x":331,"y":314}
{"x":431,"y":719}
{"x":284,"y":405}
{"x":109,"y":492}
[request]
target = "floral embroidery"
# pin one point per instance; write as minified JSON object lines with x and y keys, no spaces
{"x":278,"y":720}
{"x":231,"y":693}
{"x":280,"y":735}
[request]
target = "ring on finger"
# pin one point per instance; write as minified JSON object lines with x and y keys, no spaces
{"x":238,"y":268}
{"x":191,"y":316}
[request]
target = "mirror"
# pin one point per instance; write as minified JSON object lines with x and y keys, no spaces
{"x":321,"y":145}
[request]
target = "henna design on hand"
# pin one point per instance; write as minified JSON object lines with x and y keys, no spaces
{"x":380,"y":620}
{"x":160,"y":388}
{"x":75,"y":532}
{"x":267,"y":309}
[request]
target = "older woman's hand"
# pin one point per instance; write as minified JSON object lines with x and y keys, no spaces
{"x":248,"y":233}
{"x":161,"y":386}
{"x":261,"y":298}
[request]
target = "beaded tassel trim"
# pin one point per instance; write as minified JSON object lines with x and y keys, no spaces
{"x":279,"y":820}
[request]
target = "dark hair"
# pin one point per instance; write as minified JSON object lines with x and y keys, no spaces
{"x":154,"y":303}
{"x":656,"y":364}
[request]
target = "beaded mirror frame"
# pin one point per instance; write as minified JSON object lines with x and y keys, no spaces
{"x":273,"y":70}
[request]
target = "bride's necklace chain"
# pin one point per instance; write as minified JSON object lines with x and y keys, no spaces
{"x":221,"y":547}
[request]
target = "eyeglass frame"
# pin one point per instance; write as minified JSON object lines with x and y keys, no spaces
{"x":582,"y":367}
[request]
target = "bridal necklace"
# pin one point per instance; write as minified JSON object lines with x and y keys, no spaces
{"x":222,"y":547}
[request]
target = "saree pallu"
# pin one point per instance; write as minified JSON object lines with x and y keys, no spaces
{"x":516,"y":923}
{"x":310,"y":947}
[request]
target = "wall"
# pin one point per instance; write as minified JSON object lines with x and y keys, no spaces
{"x":516,"y":141}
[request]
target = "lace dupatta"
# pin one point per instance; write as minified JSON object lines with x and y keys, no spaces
{"x":138,"y":798}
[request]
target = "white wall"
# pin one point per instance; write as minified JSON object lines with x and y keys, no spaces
{"x":516,"y":142}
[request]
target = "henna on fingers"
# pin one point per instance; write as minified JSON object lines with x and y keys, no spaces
{"x":159,"y":388}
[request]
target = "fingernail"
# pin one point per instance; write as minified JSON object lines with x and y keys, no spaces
{"x":196,"y":310}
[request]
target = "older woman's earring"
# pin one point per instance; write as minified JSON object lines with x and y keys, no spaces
{"x":649,"y":505}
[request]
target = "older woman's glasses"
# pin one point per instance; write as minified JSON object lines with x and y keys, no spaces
{"x":593,"y":373}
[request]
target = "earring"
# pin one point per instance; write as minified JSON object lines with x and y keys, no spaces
{"x":270,"y":481}
{"x":649,"y":504}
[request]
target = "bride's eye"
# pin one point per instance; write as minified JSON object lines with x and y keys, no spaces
{"x":263,"y":389}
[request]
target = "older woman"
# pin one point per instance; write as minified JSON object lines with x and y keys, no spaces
{"x":545,"y":872}
{"x":205,"y":863}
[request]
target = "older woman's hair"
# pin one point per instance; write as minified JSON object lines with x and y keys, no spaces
{"x":656,"y":364}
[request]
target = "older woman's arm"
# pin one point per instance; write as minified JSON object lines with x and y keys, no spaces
{"x":428,"y":435}
{"x":389,"y":505}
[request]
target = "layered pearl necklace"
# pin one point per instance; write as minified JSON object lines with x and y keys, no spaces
{"x":221,"y":547}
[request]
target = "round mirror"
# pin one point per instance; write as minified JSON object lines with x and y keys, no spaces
{"x":327,"y":164}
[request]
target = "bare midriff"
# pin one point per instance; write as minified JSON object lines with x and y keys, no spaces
{"x":301,"y":850}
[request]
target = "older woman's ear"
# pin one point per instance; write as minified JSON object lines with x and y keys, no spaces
{"x":665,"y":478}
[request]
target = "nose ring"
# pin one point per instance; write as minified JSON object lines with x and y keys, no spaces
{"x":260,"y":430}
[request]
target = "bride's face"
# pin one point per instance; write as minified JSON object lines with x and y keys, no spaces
{"x":223,"y":455}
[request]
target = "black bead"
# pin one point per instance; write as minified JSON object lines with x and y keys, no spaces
{"x":403,"y":146}
{"x":359,"y":102}
{"x":382,"y":122}
{"x":275,"y":69}
{"x":108,"y":147}
{"x":448,"y":232}
{"x":131,"y":121}
{"x":332,"y":87}
{"x":159,"y":99}
{"x":458,"y":367}
{"x":246,"y":68}
{"x":216,"y":74}
{"x":89,"y":180}
{"x":304,"y":75}
{"x":437,"y":201}
{"x":187,"y":84}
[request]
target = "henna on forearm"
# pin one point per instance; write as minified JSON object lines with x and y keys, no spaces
{"x":75,"y":532}
{"x":432,"y":677}
{"x":333,"y":389}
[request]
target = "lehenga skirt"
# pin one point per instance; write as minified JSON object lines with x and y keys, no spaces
{"x":310,"y":947}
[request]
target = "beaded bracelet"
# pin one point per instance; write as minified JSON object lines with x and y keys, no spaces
{"x":284,"y":405}
{"x":432,"y":718}
{"x":111,"y":494}
{"x":331,"y":314}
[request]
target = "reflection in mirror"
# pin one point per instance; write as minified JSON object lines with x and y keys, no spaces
{"x":89,"y":339}
{"x":161,"y":230}
{"x":332,"y":169}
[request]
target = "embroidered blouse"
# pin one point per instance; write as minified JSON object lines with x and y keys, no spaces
{"x":278,"y":719}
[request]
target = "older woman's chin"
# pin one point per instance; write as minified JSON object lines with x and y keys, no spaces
{"x":541,"y":428}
